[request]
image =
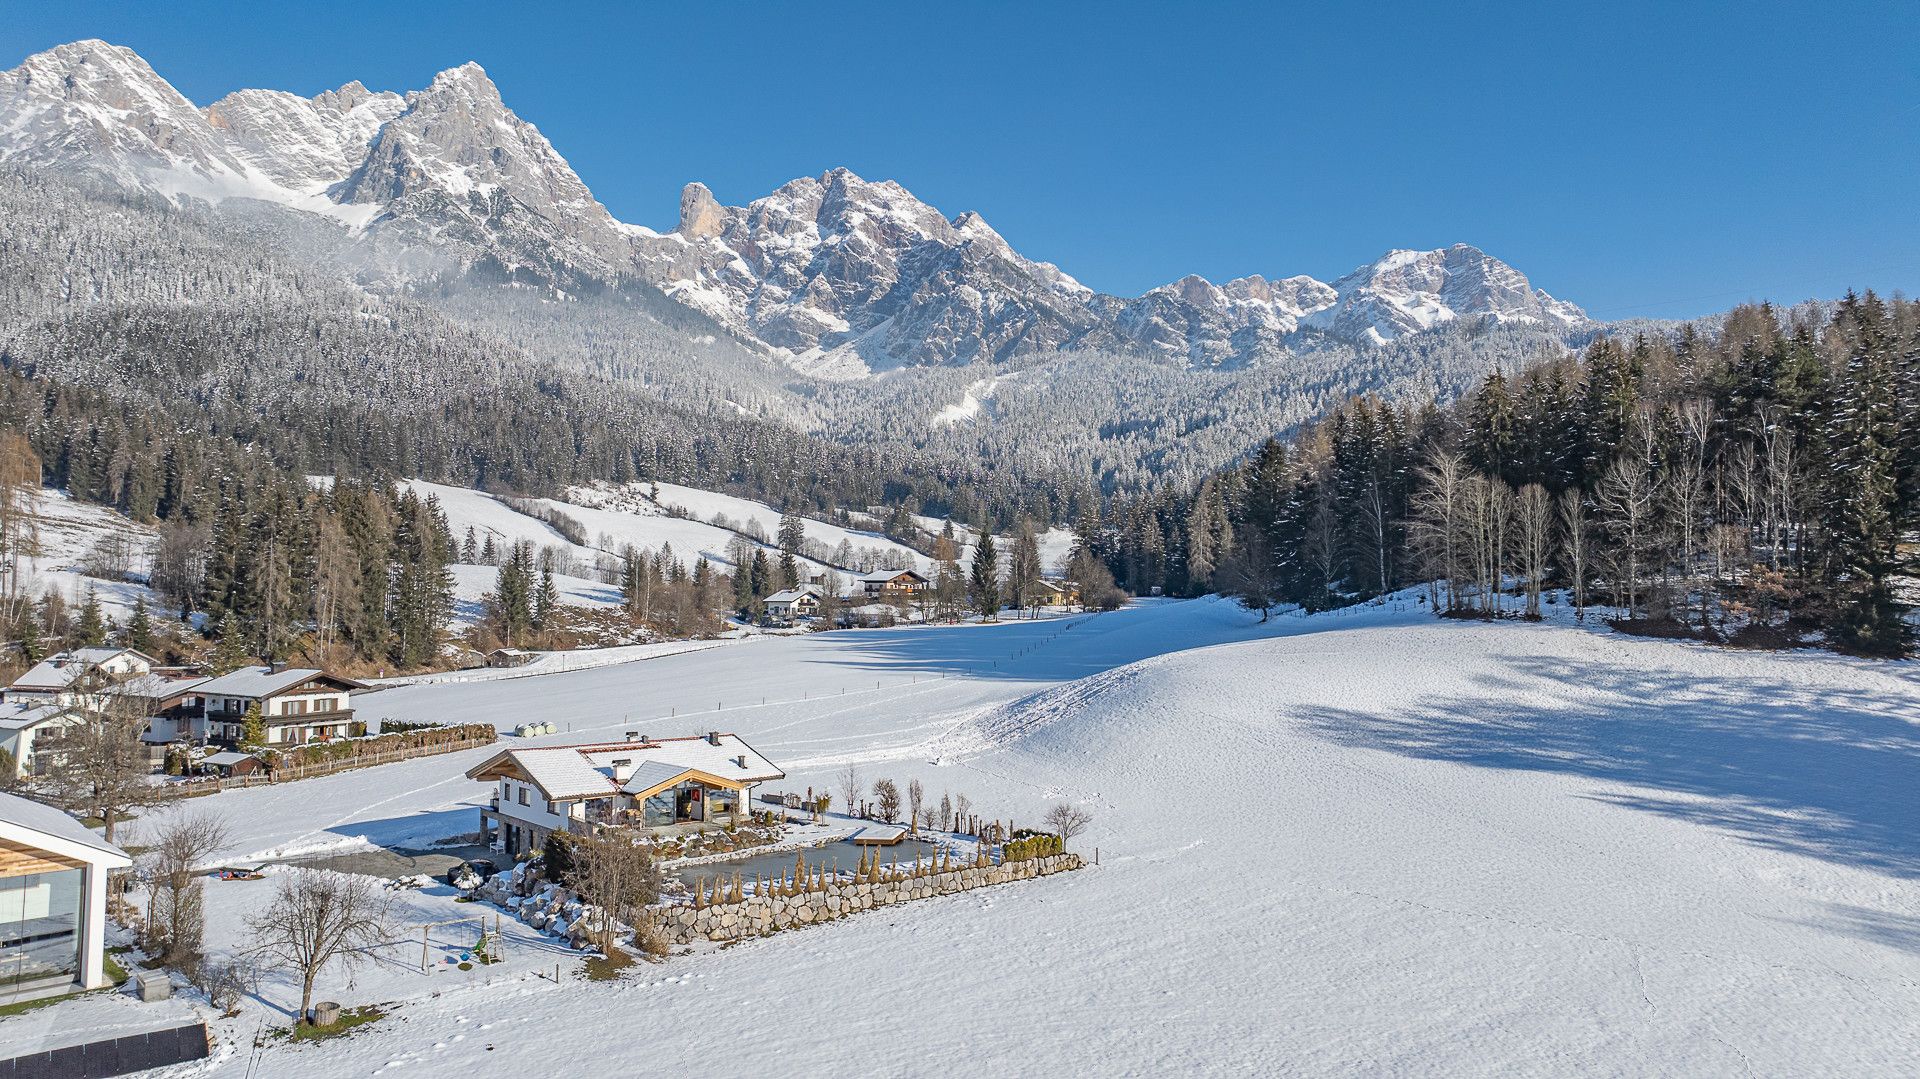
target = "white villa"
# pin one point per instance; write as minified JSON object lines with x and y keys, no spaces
{"x":791,"y":603}
{"x":53,"y":901}
{"x":665,"y":786}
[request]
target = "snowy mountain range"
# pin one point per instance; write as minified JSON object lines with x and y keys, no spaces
{"x":836,"y":275}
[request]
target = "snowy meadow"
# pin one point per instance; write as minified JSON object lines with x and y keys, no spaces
{"x":1366,"y":842}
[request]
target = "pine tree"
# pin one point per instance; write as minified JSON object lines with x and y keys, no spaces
{"x":91,"y":628}
{"x":229,"y":652}
{"x":140,"y":627}
{"x":983,"y":579}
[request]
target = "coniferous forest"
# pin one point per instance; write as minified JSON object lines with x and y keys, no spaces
{"x":1752,"y":483}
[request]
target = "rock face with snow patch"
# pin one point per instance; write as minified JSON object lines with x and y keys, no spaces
{"x":845,"y":275}
{"x":457,"y":164}
{"x":304,"y":144}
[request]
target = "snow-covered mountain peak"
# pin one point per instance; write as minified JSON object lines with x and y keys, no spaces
{"x":1408,"y":291}
{"x":304,"y":144}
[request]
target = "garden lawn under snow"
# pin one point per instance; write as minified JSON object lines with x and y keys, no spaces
{"x":1361,"y":843}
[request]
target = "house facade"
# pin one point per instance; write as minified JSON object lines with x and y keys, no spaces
{"x":660,"y":786}
{"x":63,"y":677}
{"x":25,"y":726}
{"x":792,"y":603}
{"x":893,"y":585}
{"x":297,"y":704}
{"x":53,"y":901}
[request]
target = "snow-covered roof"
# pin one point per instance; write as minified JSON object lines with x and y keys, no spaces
{"x":587,"y":770}
{"x":260,"y":681}
{"x":793,"y":595}
{"x":882,"y":576}
{"x":226,"y":759}
{"x":56,"y":824}
{"x":94,"y":655}
{"x":54,"y":672}
{"x":20,"y":715}
{"x":157,"y":687}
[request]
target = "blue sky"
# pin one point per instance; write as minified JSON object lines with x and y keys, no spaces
{"x":1659,"y":160}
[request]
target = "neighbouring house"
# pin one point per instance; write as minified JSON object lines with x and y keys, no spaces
{"x":1059,"y":593}
{"x":791,"y":603}
{"x":511,"y":657}
{"x":53,"y":901}
{"x":172,"y":703}
{"x":297,"y":704}
{"x":662,"y":786}
{"x":23,"y":723}
{"x":57,"y":679}
{"x":892,"y":584}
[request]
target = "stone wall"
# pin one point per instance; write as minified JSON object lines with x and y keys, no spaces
{"x":758,"y":915}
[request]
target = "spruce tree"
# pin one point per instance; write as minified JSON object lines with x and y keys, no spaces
{"x":140,"y":627}
{"x":983,"y":578}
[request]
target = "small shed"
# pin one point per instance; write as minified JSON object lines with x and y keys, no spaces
{"x":510,"y":657}
{"x":231,"y":764}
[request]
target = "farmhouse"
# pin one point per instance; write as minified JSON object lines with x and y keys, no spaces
{"x":297,"y":704}
{"x":791,"y":603}
{"x":662,"y":786}
{"x":1058,"y":593}
{"x":22,"y":723}
{"x":892,"y":584}
{"x":53,"y":901}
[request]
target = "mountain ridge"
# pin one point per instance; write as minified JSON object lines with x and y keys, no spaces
{"x":836,"y":276}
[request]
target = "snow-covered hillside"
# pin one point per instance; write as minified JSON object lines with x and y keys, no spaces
{"x":79,"y":546}
{"x":1367,"y":842}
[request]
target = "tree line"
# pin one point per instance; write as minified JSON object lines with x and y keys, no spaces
{"x":1755,"y":480}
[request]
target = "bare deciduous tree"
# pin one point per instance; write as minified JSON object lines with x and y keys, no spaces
{"x":101,"y":768}
{"x":850,"y":787}
{"x":916,"y":802}
{"x":1533,"y":514}
{"x":1067,"y":821}
{"x":317,"y":917}
{"x":1573,"y":539}
{"x":886,"y":797}
{"x":620,"y":878}
{"x":176,"y":915}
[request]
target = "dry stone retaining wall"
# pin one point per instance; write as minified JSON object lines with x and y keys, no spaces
{"x":759,"y":915}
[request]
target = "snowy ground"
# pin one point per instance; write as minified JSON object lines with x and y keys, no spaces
{"x":1361,"y":843}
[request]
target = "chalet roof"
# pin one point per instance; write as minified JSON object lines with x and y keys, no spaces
{"x":158,"y":687}
{"x":226,"y":759}
{"x":793,"y":595}
{"x":583,"y":771}
{"x":882,"y":576}
{"x":261,"y":681}
{"x":56,"y":824}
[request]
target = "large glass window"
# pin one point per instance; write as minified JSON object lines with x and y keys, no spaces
{"x":39,"y":928}
{"x":660,"y":809}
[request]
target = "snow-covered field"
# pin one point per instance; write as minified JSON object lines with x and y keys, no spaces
{"x":67,"y":534}
{"x":1368,"y":843}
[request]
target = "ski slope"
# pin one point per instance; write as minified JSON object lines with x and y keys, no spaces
{"x":1368,"y":842}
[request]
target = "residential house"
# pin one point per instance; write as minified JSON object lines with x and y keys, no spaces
{"x":22,"y":723}
{"x":662,"y":786}
{"x":791,"y":603}
{"x":1058,"y":592}
{"x":297,"y":704}
{"x":59,"y":678}
{"x":892,"y":585}
{"x":53,"y":901}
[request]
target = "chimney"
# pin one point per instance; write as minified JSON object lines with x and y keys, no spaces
{"x":623,"y":769}
{"x":713,"y":738}
{"x":740,"y":761}
{"x":276,"y":666}
{"x":633,"y":736}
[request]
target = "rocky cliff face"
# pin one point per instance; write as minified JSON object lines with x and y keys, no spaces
{"x":837,"y":275}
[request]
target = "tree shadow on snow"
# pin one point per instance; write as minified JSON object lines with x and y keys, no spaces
{"x":1824,"y":772}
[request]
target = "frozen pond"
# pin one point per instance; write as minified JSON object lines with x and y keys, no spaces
{"x":773,"y":863}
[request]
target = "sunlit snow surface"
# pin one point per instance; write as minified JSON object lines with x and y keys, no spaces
{"x":1360,"y":843}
